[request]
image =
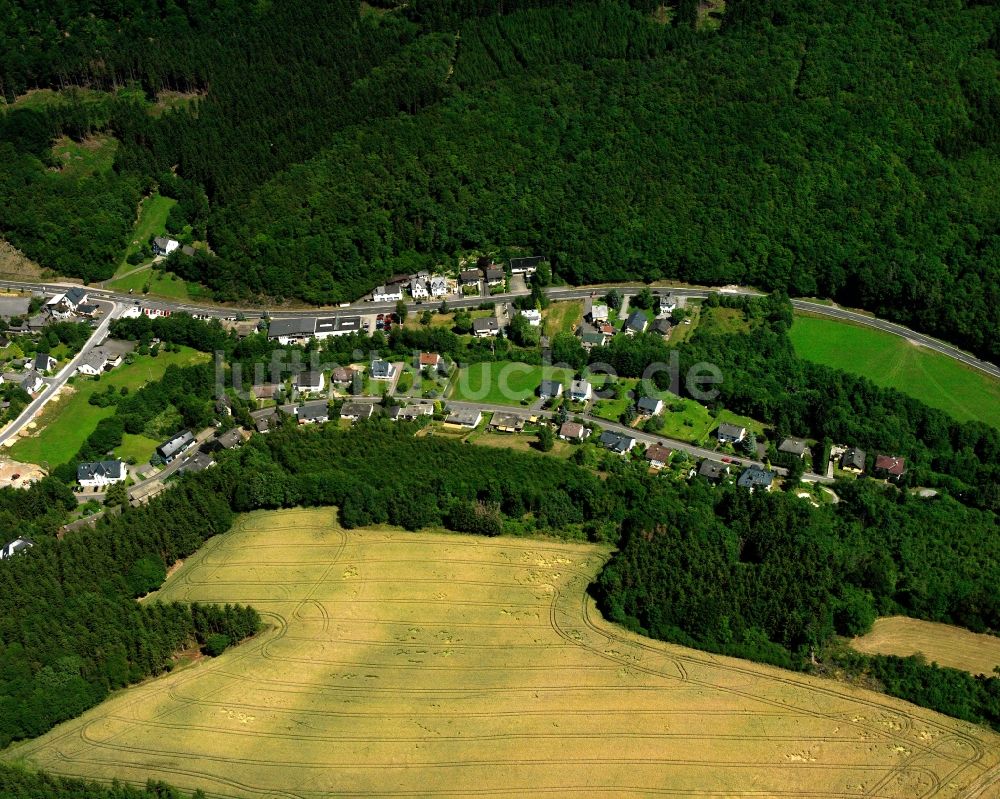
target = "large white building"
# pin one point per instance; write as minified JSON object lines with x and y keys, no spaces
{"x":387,"y":294}
{"x":100,"y":473}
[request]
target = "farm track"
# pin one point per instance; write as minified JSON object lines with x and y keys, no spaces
{"x":460,"y":689}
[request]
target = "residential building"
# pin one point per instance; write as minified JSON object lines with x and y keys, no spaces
{"x":658,"y":455}
{"x":296,"y":330}
{"x":650,"y":406}
{"x":347,"y":325}
{"x":429,"y":360}
{"x":173,"y":447}
{"x":581,"y":391}
{"x":311,"y":382}
{"x":506,"y":422}
{"x":100,"y":473}
{"x":667,"y":302}
{"x":264,"y":420}
{"x":794,"y":446}
{"x":14,"y":547}
{"x":636,"y":323}
{"x":534,"y":317}
{"x":464,"y":418}
{"x":853,"y":460}
{"x":30,"y":381}
{"x":43,"y":362}
{"x":598,"y":313}
{"x":485,"y":327}
{"x":616,"y":442}
{"x":410,"y":413}
{"x":354,"y":411}
{"x":470,"y":277}
{"x":383,"y":370}
{"x":573,"y":431}
{"x":86,"y":309}
{"x":313,"y":413}
{"x":892,"y":467}
{"x":418,"y":289}
{"x":661,"y":327}
{"x":525,"y":266}
{"x":196,"y":463}
{"x":755,"y":477}
{"x":231,"y":439}
{"x":439,"y":286}
{"x":714,"y":471}
{"x":164,"y":246}
{"x":590,"y":338}
{"x":550,"y":389}
{"x":730,"y":433}
{"x":387,"y":294}
{"x":265,"y":391}
{"x":495,"y":276}
{"x":342,"y":376}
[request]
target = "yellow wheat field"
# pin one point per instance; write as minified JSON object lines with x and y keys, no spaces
{"x":941,"y":643}
{"x":408,"y":665}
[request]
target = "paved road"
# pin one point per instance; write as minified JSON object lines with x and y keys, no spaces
{"x":55,"y":383}
{"x":555,"y":293}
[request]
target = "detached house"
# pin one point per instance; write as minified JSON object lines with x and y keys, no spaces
{"x":525,"y":266}
{"x":755,"y":477}
{"x":311,"y":382}
{"x":597,"y":313}
{"x":164,"y":246}
{"x":730,"y":433}
{"x":387,"y":294}
{"x":100,"y":473}
{"x":636,"y":323}
{"x":14,"y":547}
{"x":29,"y":381}
{"x":616,"y":442}
{"x":312,"y":414}
{"x":658,"y":456}
{"x":383,"y":370}
{"x":470,"y":277}
{"x":410,"y":413}
{"x":713,"y":471}
{"x":439,"y":286}
{"x":418,"y":289}
{"x":486,"y":327}
{"x":43,"y":362}
{"x":429,"y":360}
{"x":853,"y":460}
{"x":173,"y":447}
{"x":464,"y":418}
{"x":793,"y":446}
{"x":580,"y":391}
{"x":890,"y":467}
{"x":573,"y":431}
{"x":550,"y":389}
{"x":494,"y":276}
{"x":353,"y":411}
{"x":650,"y":406}
{"x":506,"y":422}
{"x":534,"y":317}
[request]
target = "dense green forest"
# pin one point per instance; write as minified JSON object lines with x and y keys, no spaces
{"x":816,"y":146}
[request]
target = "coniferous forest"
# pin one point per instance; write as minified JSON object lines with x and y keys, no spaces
{"x":822,"y":147}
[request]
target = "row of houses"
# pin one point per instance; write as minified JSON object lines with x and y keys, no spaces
{"x":579,"y":390}
{"x":424,"y":285}
{"x":300,"y":329}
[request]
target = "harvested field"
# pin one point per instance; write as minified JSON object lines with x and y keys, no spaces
{"x":940,"y":643}
{"x":419,"y":664}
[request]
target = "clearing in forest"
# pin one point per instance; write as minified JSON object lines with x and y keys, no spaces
{"x":893,"y":362}
{"x":943,"y":644}
{"x":419,"y":664}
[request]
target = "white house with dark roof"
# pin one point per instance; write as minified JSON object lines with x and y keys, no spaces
{"x":730,"y":433}
{"x":439,"y":286}
{"x":382,"y":370}
{"x":387,"y":293}
{"x":312,"y":382}
{"x":636,"y":323}
{"x":418,"y":289}
{"x":43,"y":362}
{"x":162,"y":245}
{"x":295,"y":330}
{"x":314,"y":413}
{"x":14,"y":547}
{"x":550,"y":389}
{"x":483,"y":328}
{"x":581,"y":391}
{"x":353,"y":411}
{"x":650,"y":406}
{"x":100,"y":473}
{"x":176,"y":445}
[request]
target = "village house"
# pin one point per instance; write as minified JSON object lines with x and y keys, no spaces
{"x":661,"y":327}
{"x":382,"y":370}
{"x":636,"y":323}
{"x":196,"y":463}
{"x":666,"y":302}
{"x":418,"y":289}
{"x":573,"y":431}
{"x":296,"y":330}
{"x":853,"y":460}
{"x":596,"y":313}
{"x":312,"y":382}
{"x":550,"y":389}
{"x":793,"y":446}
{"x":439,"y":286}
{"x":100,"y":473}
{"x":14,"y":547}
{"x":485,"y":327}
{"x":429,"y":360}
{"x":410,"y":413}
{"x":890,"y":467}
{"x":713,"y":471}
{"x":387,"y":294}
{"x":30,"y":381}
{"x":314,"y":413}
{"x":174,"y":446}
{"x":658,"y":455}
{"x":616,"y":442}
{"x":264,"y":420}
{"x":755,"y":477}
{"x":591,"y":338}
{"x":470,"y":277}
{"x":43,"y":362}
{"x":730,"y":433}
{"x":355,"y":411}
{"x":231,"y":439}
{"x":533,"y":315}
{"x":506,"y":422}
{"x":265,"y":391}
{"x":495,"y":276}
{"x":342,"y":376}
{"x":650,"y":406}
{"x":580,"y":391}
{"x":525,"y":266}
{"x":163,"y":246}
{"x":86,"y":309}
{"x":464,"y":418}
